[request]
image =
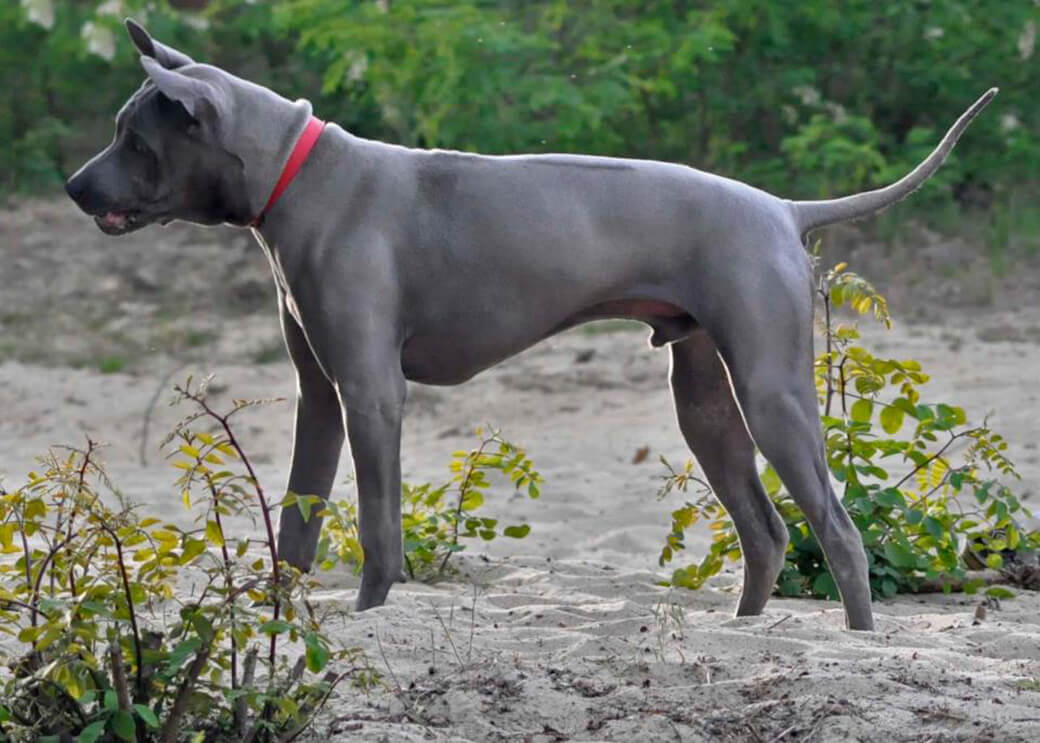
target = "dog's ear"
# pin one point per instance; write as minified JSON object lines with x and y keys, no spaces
{"x":204,"y":101}
{"x":167,"y":56}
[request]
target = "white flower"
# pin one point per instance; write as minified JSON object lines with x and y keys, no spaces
{"x":1027,"y":40}
{"x":808,"y":94}
{"x":100,"y":40}
{"x":40,"y":12}
{"x":111,"y":7}
{"x":357,"y":67}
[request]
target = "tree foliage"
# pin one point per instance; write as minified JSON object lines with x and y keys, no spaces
{"x":805,"y":99}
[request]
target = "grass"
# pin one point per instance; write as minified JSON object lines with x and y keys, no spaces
{"x":196,"y":338}
{"x":270,"y":354}
{"x":111,"y":364}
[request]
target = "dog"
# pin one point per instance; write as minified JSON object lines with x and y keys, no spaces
{"x":395,"y":264}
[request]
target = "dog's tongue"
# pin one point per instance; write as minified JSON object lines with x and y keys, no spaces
{"x":114,"y":219}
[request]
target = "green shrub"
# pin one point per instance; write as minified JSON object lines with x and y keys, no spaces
{"x":436,"y":518}
{"x":115,"y":648}
{"x":730,"y":87}
{"x":917,"y":527}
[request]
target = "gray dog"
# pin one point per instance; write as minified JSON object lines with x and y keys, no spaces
{"x":395,"y":264}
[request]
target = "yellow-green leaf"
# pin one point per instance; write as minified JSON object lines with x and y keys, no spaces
{"x":891,"y":418}
{"x":861,"y":411}
{"x":214,"y":533}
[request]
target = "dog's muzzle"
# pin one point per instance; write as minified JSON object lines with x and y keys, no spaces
{"x":109,"y":221}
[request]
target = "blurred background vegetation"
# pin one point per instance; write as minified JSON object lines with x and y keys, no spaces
{"x":804,"y":98}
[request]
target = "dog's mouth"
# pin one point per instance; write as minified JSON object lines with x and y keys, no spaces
{"x":119,"y":223}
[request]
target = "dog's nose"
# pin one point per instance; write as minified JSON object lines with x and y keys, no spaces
{"x":74,"y":188}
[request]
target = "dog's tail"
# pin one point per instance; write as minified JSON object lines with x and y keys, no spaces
{"x":812,"y":214}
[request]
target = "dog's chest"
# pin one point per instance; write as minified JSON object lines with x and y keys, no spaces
{"x":280,"y":280}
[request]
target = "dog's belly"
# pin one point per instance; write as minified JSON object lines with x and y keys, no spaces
{"x":448,"y":358}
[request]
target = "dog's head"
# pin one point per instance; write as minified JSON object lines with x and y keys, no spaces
{"x":171,"y":156}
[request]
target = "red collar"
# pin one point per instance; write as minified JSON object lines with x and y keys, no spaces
{"x":297,"y":158}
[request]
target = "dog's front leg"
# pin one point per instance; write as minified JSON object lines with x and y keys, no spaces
{"x":374,"y":402}
{"x":317,"y":442}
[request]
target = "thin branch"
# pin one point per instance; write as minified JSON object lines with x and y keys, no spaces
{"x":4,"y":603}
{"x":28,"y":566}
{"x":309,"y":709}
{"x":138,"y":656}
{"x":463,"y":485}
{"x":115,"y":654}
{"x":80,"y":487}
{"x":142,"y":449}
{"x":240,"y":708}
{"x":172,"y":728}
{"x":227,"y":579}
{"x":829,"y":333}
{"x":929,"y":460}
{"x":264,"y":510}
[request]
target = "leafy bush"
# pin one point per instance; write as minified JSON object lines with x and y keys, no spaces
{"x":436,"y":518}
{"x":660,"y":80}
{"x":919,"y":527}
{"x":615,"y":77}
{"x":115,"y":647}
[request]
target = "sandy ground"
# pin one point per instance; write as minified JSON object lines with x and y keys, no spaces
{"x":563,"y":635}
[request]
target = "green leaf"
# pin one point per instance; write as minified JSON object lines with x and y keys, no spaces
{"x":123,"y":725}
{"x":924,"y":413}
{"x":517,"y":532}
{"x":203,"y":626}
{"x":274,"y":627}
{"x":146,"y":714}
{"x":181,"y":652}
{"x":771,"y":481}
{"x":92,"y":732}
{"x":304,"y":504}
{"x":824,"y":585}
{"x":890,"y":497}
{"x":861,"y":411}
{"x":899,"y":555}
{"x":192,"y":549}
{"x":891,"y":419}
{"x":317,"y":654}
{"x":934,"y":527}
{"x":999,"y":592}
{"x":214,"y":533}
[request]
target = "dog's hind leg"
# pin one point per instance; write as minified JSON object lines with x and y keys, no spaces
{"x":767,"y":347}
{"x":714,"y":429}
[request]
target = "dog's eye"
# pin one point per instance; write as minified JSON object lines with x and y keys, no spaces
{"x":138,"y":145}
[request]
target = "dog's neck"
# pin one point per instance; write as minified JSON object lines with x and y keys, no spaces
{"x":264,"y":148}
